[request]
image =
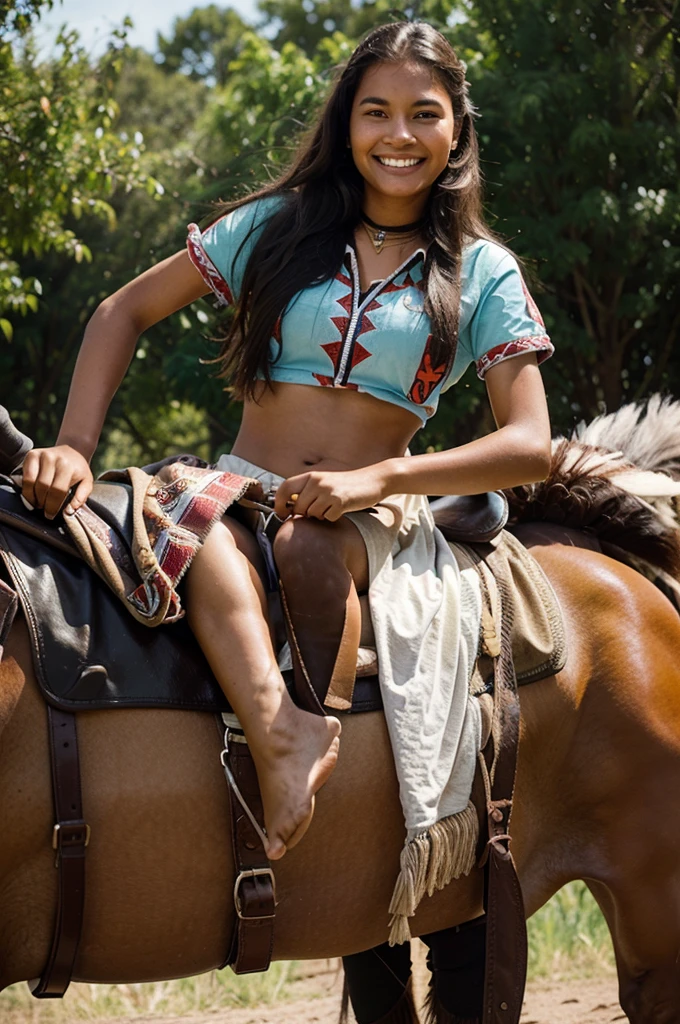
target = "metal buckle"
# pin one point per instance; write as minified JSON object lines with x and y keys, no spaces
{"x":253,"y":873}
{"x":57,"y":830}
{"x":56,"y":836}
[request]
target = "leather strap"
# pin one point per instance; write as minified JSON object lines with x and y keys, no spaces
{"x":69,"y":838}
{"x":305,"y":694}
{"x":254,"y":892}
{"x":506,"y":935}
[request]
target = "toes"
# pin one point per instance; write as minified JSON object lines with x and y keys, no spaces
{"x":300,"y":830}
{"x":277,"y":846}
{"x":275,"y":849}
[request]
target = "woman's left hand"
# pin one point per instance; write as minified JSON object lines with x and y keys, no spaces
{"x":324,"y":494}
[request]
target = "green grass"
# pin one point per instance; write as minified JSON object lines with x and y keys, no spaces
{"x":213,"y":991}
{"x":569,"y":937}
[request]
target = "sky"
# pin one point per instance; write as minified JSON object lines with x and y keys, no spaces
{"x":95,"y":19}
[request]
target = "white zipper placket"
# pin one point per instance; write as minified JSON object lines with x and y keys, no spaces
{"x":357,"y":309}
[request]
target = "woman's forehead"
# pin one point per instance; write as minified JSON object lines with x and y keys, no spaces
{"x":389,"y":81}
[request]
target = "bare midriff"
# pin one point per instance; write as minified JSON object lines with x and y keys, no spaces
{"x":295,"y":428}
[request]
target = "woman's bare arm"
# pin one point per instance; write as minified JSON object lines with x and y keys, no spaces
{"x":517,"y":453}
{"x":109,"y":343}
{"x":110,"y":340}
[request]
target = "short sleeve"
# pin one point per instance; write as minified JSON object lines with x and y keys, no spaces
{"x":506,"y":321}
{"x":221,"y":252}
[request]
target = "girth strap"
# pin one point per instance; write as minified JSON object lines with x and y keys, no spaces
{"x":506,"y":934}
{"x":254,"y":892}
{"x":70,"y":837}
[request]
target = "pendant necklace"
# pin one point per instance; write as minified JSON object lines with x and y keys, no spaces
{"x":380,"y":232}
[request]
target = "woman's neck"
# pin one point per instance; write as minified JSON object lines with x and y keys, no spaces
{"x":393,"y":210}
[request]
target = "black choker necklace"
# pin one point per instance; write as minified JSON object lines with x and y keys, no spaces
{"x":390,"y":227}
{"x":380,"y":231}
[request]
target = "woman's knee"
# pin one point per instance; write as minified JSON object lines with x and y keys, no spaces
{"x":304,"y":545}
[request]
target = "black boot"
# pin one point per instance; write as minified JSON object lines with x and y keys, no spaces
{"x":456,"y":960}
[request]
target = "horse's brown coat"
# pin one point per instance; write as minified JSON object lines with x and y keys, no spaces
{"x":596,"y":799}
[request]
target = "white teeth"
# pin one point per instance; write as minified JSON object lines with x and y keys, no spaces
{"x":391,"y":162}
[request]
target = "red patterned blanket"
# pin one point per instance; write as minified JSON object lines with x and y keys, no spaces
{"x":172,"y":513}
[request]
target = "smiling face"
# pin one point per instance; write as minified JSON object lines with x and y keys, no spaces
{"x":401,"y":132}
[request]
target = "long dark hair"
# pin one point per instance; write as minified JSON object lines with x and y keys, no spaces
{"x":304,"y":241}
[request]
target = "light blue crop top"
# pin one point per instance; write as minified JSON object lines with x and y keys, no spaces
{"x":380,"y":345}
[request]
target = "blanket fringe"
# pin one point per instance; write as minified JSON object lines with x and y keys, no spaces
{"x":444,"y":851}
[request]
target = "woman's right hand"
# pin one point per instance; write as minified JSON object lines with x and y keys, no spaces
{"x":50,"y":473}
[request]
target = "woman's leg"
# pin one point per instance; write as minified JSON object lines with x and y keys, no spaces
{"x":294,"y":752}
{"x":322,"y":567}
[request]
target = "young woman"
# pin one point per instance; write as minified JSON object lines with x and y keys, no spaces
{"x":364,"y":282}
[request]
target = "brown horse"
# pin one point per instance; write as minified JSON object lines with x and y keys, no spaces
{"x":598,"y":798}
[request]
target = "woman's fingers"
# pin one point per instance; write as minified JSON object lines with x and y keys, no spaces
{"x":82,"y":493}
{"x":309,"y":495}
{"x":321,"y":508}
{"x":58,"y":491}
{"x":50,"y":473}
{"x":30,"y":471}
{"x":43,"y":481}
{"x":284,"y":506}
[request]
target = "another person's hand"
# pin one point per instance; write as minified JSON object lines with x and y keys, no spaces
{"x":323,"y":494}
{"x":49,"y":474}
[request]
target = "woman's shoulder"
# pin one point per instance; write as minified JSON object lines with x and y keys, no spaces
{"x":221,"y":251}
{"x":483,"y":256}
{"x":250,"y":214}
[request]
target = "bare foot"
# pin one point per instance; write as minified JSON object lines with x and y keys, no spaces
{"x":300,"y":758}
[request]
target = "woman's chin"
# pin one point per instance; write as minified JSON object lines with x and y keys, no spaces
{"x":396,"y":188}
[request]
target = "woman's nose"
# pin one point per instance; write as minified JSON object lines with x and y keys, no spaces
{"x":399,"y":132}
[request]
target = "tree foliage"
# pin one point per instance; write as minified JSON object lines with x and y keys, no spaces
{"x":579,"y":125}
{"x":203,"y":44}
{"x":60,"y":159}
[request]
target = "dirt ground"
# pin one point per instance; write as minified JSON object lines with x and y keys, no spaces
{"x":315,"y":999}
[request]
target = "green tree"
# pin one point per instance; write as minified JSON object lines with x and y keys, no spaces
{"x":64,"y":167}
{"x":203,"y":44}
{"x":579,"y":129}
{"x":60,"y":159}
{"x":308,"y":22}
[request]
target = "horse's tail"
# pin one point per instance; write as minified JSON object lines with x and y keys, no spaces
{"x":618,"y":479}
{"x":647,"y":434}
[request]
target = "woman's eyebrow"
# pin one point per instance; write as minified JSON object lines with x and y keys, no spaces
{"x":428,"y":101}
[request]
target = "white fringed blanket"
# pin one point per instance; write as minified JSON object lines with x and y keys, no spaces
{"x":426,"y":617}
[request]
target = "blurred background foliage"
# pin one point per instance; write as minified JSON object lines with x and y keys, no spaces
{"x":104,"y":161}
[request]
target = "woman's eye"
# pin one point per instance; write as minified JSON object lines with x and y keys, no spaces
{"x":426,"y":113}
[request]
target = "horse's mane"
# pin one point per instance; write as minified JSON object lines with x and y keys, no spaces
{"x":614,"y":479}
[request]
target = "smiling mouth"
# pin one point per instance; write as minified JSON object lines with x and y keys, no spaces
{"x":389,"y":161}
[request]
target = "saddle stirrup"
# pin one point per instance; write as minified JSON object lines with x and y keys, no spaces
{"x":254,"y":886}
